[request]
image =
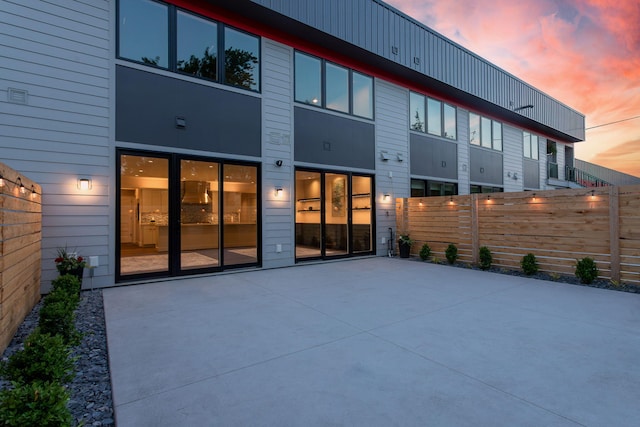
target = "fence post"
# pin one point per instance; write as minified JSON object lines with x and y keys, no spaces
{"x":614,"y":232}
{"x":475,"y":238}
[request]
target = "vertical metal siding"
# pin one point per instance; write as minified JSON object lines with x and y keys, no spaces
{"x":376,"y":27}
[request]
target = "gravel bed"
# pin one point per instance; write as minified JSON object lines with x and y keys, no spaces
{"x":91,"y":403}
{"x":572,"y":280}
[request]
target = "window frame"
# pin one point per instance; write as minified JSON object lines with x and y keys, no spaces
{"x":172,"y":46}
{"x":495,"y":144}
{"x":426,"y":122}
{"x":530,"y":155}
{"x":324,"y":63}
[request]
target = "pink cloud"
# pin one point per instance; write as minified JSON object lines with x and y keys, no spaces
{"x":585,"y":53}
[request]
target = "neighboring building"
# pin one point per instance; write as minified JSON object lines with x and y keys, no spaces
{"x":181,"y":137}
{"x":606,"y":175}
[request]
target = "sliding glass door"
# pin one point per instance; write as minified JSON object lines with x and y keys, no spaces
{"x":182,"y":215}
{"x":333,"y":214}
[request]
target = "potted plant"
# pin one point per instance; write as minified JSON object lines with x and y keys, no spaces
{"x":404,"y":244}
{"x":70,"y":263}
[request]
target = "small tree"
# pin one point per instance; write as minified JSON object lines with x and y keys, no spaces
{"x":529,"y":264}
{"x":451,"y":253}
{"x":586,"y":270}
{"x":485,"y":258}
{"x":425,"y":252}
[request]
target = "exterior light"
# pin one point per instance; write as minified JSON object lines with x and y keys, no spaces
{"x":488,"y":197}
{"x":33,"y":191}
{"x":450,"y":200}
{"x":386,"y":197}
{"x":593,"y":194}
{"x":1,"y":181}
{"x":278,"y":191}
{"x":84,"y":184}
{"x":534,"y":196}
{"x":21,"y":186}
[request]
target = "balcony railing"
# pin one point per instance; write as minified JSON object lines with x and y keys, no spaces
{"x":582,"y":178}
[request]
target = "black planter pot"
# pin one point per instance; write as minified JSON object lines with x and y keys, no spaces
{"x":405,"y":249}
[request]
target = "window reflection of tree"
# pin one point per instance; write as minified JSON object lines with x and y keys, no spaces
{"x":201,"y":67}
{"x":239,"y":66}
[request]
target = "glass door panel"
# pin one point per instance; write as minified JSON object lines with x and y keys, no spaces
{"x":336,"y":236}
{"x":361,"y":204}
{"x":144,"y":214}
{"x":199,"y":225}
{"x":308,"y":214}
{"x":240,"y":213}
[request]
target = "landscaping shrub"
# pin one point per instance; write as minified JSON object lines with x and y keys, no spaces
{"x":44,"y":358}
{"x":451,"y":253}
{"x":425,"y":252}
{"x":485,"y":258}
{"x":529,"y":264}
{"x":67,"y":282}
{"x":586,"y":270}
{"x":42,"y":404}
{"x":57,"y":317}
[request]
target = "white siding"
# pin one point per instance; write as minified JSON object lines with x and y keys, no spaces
{"x":58,"y":52}
{"x":392,"y":135}
{"x":277,"y":143}
{"x":561,"y":160}
{"x":542,"y":155}
{"x":512,"y":158}
{"x":463,"y":151}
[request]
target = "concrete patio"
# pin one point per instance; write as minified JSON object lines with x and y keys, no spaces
{"x":372,"y":342}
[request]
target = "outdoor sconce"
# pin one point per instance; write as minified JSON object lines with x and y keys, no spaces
{"x":1,"y":181}
{"x":534,"y":197}
{"x":450,"y":200}
{"x":386,"y":197}
{"x":33,"y":191}
{"x":84,"y":184}
{"x":384,"y":156}
{"x":420,"y":203}
{"x":593,"y":194}
{"x":278,"y":191}
{"x":21,"y":185}
{"x":488,"y":197}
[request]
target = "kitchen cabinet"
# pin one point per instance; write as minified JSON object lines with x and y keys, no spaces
{"x":154,"y":201}
{"x":149,"y":235}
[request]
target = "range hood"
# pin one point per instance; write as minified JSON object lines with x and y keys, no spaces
{"x":195,"y":193}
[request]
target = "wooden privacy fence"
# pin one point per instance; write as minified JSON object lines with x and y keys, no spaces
{"x":557,"y":226}
{"x":20,"y":250}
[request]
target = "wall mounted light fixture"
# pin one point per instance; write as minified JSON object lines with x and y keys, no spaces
{"x":84,"y":184}
{"x":1,"y":181}
{"x":21,"y":186}
{"x":386,"y":197}
{"x":534,"y":197}
{"x":33,"y":191}
{"x":278,"y":191}
{"x":593,"y":194}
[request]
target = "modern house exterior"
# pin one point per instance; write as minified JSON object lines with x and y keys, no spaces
{"x":185,"y":137}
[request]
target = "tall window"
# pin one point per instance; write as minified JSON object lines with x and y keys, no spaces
{"x":344,"y":90}
{"x":432,"y":116}
{"x":530,"y":145}
{"x":145,"y":36}
{"x":485,"y":132}
{"x":144,"y":32}
{"x":197,"y":50}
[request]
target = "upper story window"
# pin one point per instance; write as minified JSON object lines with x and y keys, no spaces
{"x":195,"y":45}
{"x":432,"y":116}
{"x":530,"y":145}
{"x":485,"y":132}
{"x":331,"y":86}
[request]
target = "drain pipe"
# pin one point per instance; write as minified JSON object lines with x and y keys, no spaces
{"x":390,"y":244}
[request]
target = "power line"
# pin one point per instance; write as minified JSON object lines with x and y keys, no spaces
{"x":612,"y":123}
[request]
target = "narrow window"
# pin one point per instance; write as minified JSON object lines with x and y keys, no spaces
{"x":450,"y":122}
{"x":417,"y":117}
{"x":308,"y":76}
{"x":526,"y":141}
{"x":197,"y":50}
{"x":474,"y":129}
{"x":534,"y":147}
{"x":144,"y":32}
{"x":485,"y":128}
{"x":337,"y":88}
{"x":497,"y":136}
{"x":362,"y":95}
{"x":434,"y":120}
{"x":241,"y":59}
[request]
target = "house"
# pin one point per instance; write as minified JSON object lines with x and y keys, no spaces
{"x":185,"y":137}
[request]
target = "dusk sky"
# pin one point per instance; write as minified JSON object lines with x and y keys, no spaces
{"x":584,"y":53}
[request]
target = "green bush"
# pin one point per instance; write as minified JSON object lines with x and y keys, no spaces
{"x":42,"y":404}
{"x":57,"y":317}
{"x":586,"y":270}
{"x":45,"y":358}
{"x":451,"y":253}
{"x":425,"y":252}
{"x":529,"y":264}
{"x":485,"y":258}
{"x":68,"y":282}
